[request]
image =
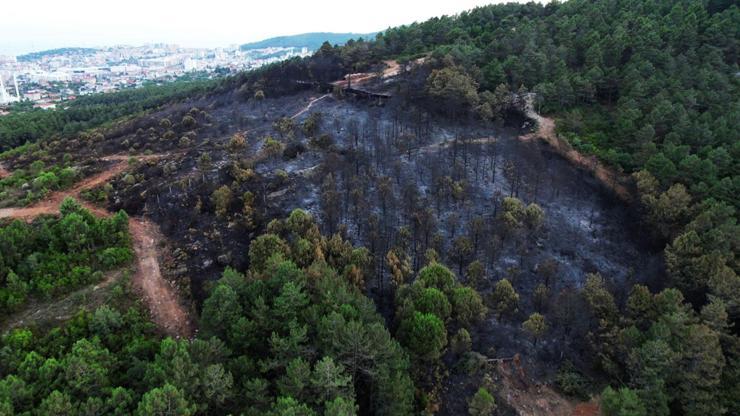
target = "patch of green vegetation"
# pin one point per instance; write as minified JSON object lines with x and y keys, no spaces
{"x":86,"y":366}
{"x":26,"y":186}
{"x":97,"y":195}
{"x":91,"y":111}
{"x":291,"y":336}
{"x":54,"y":255}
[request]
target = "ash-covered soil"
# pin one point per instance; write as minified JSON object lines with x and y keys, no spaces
{"x":387,"y":177}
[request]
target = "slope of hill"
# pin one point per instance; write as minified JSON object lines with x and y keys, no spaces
{"x":59,"y":51}
{"x":312,"y":41}
{"x":409,"y":245}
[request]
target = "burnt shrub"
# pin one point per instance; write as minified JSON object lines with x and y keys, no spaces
{"x":324,"y":141}
{"x":293,"y":149}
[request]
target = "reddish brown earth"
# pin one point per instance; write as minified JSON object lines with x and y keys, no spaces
{"x":161,"y":298}
{"x":587,"y":409}
{"x":158,"y":293}
{"x":4,"y":173}
{"x":605,"y":174}
{"x":529,"y":398}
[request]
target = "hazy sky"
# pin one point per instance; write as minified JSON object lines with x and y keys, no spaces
{"x":31,"y":25}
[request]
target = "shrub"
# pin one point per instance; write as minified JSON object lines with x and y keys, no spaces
{"x":482,"y":403}
{"x":263,"y":247}
{"x":323,"y":141}
{"x":467,"y":305}
{"x":293,"y":149}
{"x":114,"y":256}
{"x":169,"y":135}
{"x":622,"y":402}
{"x":461,"y":342}
{"x":571,"y":382}
{"x":221,"y":199}
{"x":237,"y":142}
{"x":189,"y":122}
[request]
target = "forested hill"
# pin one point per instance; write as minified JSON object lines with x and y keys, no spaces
{"x":60,"y":51}
{"x":648,"y":86}
{"x":310,"y":40}
{"x":666,"y":72}
{"x":651,"y":88}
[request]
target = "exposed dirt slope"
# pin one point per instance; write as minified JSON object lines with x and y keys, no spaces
{"x":3,"y":172}
{"x":546,"y":131}
{"x":161,"y":298}
{"x":532,"y":399}
{"x":166,"y":310}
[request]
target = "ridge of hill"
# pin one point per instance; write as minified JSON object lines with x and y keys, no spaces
{"x":312,"y":40}
{"x":32,"y":56}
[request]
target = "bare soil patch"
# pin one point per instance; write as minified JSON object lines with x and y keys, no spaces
{"x":4,"y":173}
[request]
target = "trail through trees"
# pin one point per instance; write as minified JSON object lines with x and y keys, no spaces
{"x":546,"y":131}
{"x":160,"y":297}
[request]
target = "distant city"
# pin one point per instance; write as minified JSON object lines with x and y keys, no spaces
{"x":48,"y":79}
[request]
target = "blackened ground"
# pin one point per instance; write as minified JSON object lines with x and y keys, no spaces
{"x":586,"y":230}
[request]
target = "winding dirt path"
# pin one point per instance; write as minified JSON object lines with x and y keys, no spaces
{"x":309,"y":105}
{"x":160,"y":297}
{"x":546,"y":131}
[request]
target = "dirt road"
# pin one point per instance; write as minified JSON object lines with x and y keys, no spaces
{"x":309,"y":105}
{"x":160,"y":297}
{"x":546,"y":131}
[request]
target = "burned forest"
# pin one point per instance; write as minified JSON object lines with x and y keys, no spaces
{"x":522,"y":209}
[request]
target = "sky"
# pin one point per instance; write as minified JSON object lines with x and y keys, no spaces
{"x":33,"y":25}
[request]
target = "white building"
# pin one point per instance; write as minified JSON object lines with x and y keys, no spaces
{"x":5,"y":97}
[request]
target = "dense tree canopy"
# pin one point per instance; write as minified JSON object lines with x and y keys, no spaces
{"x":54,"y":255}
{"x":91,"y":111}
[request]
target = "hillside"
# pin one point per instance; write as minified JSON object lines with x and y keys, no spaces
{"x":33,"y":56}
{"x":312,"y":41}
{"x":520,"y":209}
